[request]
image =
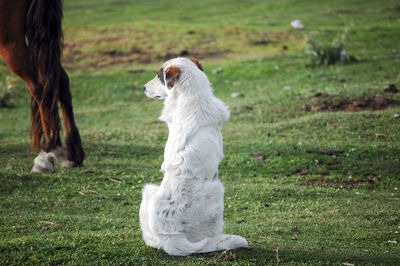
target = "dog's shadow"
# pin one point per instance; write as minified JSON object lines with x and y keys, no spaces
{"x":242,"y":255}
{"x":271,"y":255}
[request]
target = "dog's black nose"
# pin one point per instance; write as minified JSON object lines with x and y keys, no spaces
{"x":144,"y":88}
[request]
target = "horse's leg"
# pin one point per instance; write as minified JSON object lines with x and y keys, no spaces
{"x":44,"y":162}
{"x":13,"y":48}
{"x":74,"y":150}
{"x":15,"y":54}
{"x":52,"y":150}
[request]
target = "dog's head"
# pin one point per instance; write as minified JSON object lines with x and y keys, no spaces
{"x":171,"y":75}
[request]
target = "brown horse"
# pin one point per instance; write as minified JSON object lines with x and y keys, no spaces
{"x":30,"y":45}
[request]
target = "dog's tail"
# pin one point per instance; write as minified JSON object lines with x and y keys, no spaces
{"x":181,"y":246}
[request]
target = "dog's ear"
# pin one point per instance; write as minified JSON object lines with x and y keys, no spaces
{"x":197,"y":63}
{"x":172,"y":75}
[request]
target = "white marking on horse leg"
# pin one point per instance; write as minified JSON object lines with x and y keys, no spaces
{"x":46,"y":161}
{"x":68,"y":164}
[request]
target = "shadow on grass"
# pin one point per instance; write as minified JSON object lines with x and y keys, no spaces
{"x":104,"y":150}
{"x":16,"y":150}
{"x":9,"y":183}
{"x":16,"y":162}
{"x":273,"y":255}
{"x":62,"y":252}
{"x":132,"y":151}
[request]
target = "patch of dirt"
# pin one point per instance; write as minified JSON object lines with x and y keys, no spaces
{"x":196,"y":52}
{"x":75,"y":55}
{"x":261,"y":157}
{"x":230,"y":257}
{"x":331,"y":153}
{"x":391,"y":88}
{"x":261,"y":42}
{"x":295,"y":230}
{"x":322,"y":102}
{"x":225,"y":255}
{"x":331,"y":162}
{"x":271,"y":37}
{"x":118,"y":57}
{"x":395,"y":9}
{"x":300,"y":171}
{"x":136,"y":71}
{"x":127,"y":44}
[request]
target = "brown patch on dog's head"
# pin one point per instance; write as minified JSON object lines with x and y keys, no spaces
{"x":172,"y":75}
{"x":197,"y":63}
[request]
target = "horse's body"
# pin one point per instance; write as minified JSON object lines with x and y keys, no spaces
{"x":30,"y":45}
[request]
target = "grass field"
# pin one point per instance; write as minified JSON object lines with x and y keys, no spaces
{"x":293,"y":204}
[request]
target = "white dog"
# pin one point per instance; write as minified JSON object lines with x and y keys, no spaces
{"x":184,"y":215}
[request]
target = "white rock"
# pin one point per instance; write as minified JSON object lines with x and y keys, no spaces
{"x":297,"y":25}
{"x":236,"y":94}
{"x":286,"y":88}
{"x":217,"y":70}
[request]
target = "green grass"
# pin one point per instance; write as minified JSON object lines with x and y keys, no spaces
{"x":294,"y":207}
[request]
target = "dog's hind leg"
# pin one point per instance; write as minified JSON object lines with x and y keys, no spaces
{"x":146,"y":216}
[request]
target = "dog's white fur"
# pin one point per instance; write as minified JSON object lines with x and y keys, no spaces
{"x":184,"y":215}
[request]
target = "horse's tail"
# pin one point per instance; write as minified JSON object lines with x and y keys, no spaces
{"x":44,"y":40}
{"x":36,"y":125}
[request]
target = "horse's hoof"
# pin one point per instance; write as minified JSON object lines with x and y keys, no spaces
{"x":44,"y":163}
{"x":71,"y":164}
{"x":59,"y":153}
{"x":38,"y":169}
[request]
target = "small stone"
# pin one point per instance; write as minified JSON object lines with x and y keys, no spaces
{"x":297,"y":25}
{"x":217,"y":70}
{"x":236,"y":94}
{"x":286,"y":88}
